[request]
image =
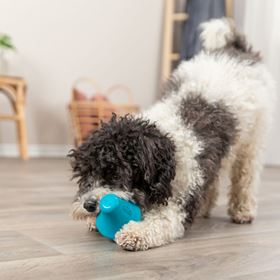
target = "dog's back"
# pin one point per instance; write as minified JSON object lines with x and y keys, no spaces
{"x":218,"y":105}
{"x":228,"y":70}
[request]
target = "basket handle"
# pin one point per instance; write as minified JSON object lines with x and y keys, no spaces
{"x":122,"y":88}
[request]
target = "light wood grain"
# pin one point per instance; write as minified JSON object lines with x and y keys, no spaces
{"x":38,"y":239}
{"x":167,"y":38}
{"x":229,"y":8}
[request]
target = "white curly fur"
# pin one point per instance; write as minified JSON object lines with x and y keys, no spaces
{"x":224,"y":34}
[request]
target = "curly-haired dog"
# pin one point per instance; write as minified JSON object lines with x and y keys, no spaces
{"x":215,"y":114}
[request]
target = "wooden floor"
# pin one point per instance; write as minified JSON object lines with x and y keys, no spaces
{"x":38,"y":239}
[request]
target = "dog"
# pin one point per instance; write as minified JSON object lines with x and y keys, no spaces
{"x":213,"y":118}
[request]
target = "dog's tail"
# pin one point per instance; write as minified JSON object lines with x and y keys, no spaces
{"x":218,"y":34}
{"x":221,"y":34}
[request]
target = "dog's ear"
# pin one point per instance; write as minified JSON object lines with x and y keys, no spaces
{"x":157,"y":164}
{"x":94,"y":155}
{"x":81,"y":160}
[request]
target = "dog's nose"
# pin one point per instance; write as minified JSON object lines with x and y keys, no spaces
{"x":90,"y":205}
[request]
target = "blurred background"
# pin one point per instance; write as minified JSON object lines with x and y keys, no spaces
{"x":112,"y":42}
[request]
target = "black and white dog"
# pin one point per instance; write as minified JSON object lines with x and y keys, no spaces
{"x":214,"y":117}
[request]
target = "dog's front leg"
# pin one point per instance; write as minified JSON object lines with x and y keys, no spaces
{"x":160,"y":226}
{"x":91,"y":223}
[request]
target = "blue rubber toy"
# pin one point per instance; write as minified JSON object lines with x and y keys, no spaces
{"x":114,"y":213}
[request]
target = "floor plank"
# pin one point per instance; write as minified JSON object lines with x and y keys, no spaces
{"x":38,"y":239}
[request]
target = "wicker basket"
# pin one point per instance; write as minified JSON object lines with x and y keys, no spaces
{"x":87,"y":115}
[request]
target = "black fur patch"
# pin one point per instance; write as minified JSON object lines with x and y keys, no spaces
{"x":128,"y":153}
{"x":240,"y":49}
{"x":216,"y":127}
{"x":250,"y":56}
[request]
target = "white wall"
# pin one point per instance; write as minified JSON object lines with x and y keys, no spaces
{"x":111,"y":40}
{"x":114,"y":41}
{"x":260,"y":21}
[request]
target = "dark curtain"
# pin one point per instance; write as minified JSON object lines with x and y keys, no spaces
{"x":199,"y":11}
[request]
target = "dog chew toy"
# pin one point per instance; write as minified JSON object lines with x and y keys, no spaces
{"x":114,"y":213}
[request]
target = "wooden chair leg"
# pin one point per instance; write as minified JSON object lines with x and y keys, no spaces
{"x":21,"y":132}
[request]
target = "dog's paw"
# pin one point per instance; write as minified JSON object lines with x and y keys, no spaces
{"x":242,"y":218}
{"x":91,"y":223}
{"x":130,"y":238}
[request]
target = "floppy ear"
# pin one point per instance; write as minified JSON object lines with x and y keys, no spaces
{"x":86,"y":160}
{"x":81,"y":160}
{"x":157,"y":162}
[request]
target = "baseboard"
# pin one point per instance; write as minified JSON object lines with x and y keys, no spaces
{"x":11,"y":150}
{"x":59,"y":151}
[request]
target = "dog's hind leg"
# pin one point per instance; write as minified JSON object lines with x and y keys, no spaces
{"x":244,"y":181}
{"x":210,"y":200}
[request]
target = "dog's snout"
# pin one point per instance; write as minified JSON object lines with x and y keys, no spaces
{"x":90,"y":205}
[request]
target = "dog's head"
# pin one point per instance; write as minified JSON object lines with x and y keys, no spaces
{"x":128,"y":156}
